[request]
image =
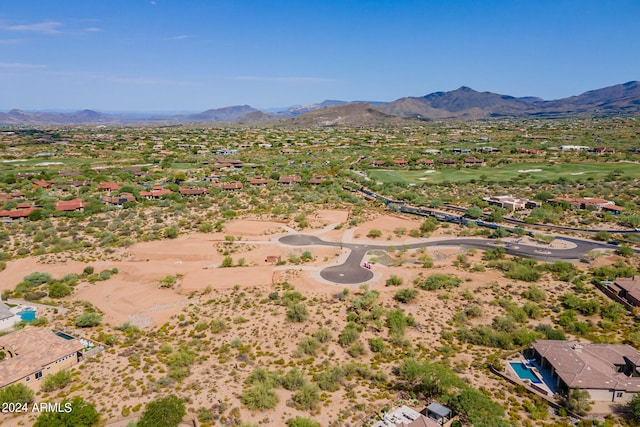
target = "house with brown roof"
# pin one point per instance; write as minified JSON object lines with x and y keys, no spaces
{"x":473,"y":161}
{"x":589,"y":202}
{"x":156,"y":192}
{"x":378,"y":163}
{"x":531,"y":151}
{"x":32,"y":353}
{"x":609,"y":372}
{"x":400,"y":162}
{"x":192,"y":191}
{"x":118,"y":200}
{"x":108,"y":186}
{"x":317,"y":180}
{"x":41,"y":183}
{"x":627,"y":288}
{"x":447,"y":162}
{"x":258,"y":181}
{"x":232,"y":186}
{"x":76,"y":204}
{"x":425,"y":162}
{"x":19,"y":213}
{"x":290,"y":179}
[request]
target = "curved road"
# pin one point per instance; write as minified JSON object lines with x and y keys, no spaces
{"x":351,"y":271}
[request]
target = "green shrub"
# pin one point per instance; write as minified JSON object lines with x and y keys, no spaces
{"x":259,"y":397}
{"x":405,"y":295}
{"x":88,"y":320}
{"x":56,"y":381}
{"x":16,"y":393}
{"x":394,"y":281}
{"x":59,"y":290}
{"x":440,"y":281}
{"x":307,"y":397}
{"x":297,"y":313}
{"x":82,"y":414}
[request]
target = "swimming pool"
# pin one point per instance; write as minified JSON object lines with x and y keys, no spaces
{"x":524,"y":373}
{"x":63,"y":335}
{"x":28,"y":314}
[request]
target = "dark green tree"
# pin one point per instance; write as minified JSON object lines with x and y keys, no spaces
{"x":163,"y":412}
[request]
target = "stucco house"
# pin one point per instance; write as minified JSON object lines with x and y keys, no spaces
{"x":32,"y":353}
{"x":609,"y":372}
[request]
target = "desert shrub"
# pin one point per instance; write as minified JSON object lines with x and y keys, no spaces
{"x":533,"y":310}
{"x":440,"y":281}
{"x":297,"y":313}
{"x":309,"y":345}
{"x":227,"y":262}
{"x":329,"y":379}
{"x":534,"y":293}
{"x":394,"y":281}
{"x":303,"y":422}
{"x":307,"y":397}
{"x":16,"y":393}
{"x":356,"y":349}
{"x":218,"y":326}
{"x":37,"y":279}
{"x":88,"y":320}
{"x":348,"y":335}
{"x":105,"y":275}
{"x":59,"y":290}
{"x":55,"y":381}
{"x":293,"y":379}
{"x":88,"y":270}
{"x":405,"y":295}
{"x":263,"y":377}
{"x":374,"y":233}
{"x":82,"y":414}
{"x":397,"y":322}
{"x":322,"y":335}
{"x":259,"y":397}
{"x":165,"y":411}
{"x":377,"y":345}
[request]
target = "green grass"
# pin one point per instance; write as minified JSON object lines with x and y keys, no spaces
{"x":507,"y":173}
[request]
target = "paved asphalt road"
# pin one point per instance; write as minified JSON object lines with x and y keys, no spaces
{"x":351,"y":271}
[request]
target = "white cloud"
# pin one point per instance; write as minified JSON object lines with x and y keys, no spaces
{"x":180,"y":37}
{"x":92,"y":30}
{"x":285,"y":79}
{"x":11,"y":41}
{"x":46,"y":27}
{"x":19,"y":65}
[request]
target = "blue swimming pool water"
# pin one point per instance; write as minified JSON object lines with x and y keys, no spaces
{"x":27,"y":315}
{"x":63,"y":335}
{"x":524,"y":373}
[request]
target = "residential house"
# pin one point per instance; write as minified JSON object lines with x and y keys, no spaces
{"x":76,"y":204}
{"x":378,"y":163}
{"x":317,"y":180}
{"x":473,"y":161}
{"x":446,"y":162}
{"x":435,"y":411}
{"x":509,"y":202}
{"x":531,"y":151}
{"x":589,"y":202}
{"x":602,"y":150}
{"x":259,"y":181}
{"x":628,"y":288}
{"x":405,"y":416}
{"x":400,"y":162}
{"x":157,"y":192}
{"x":609,"y":372}
{"x":426,"y":162}
{"x":118,"y":200}
{"x":108,"y":186}
{"x":41,"y":183}
{"x":23,"y":211}
{"x":290,"y":179}
{"x":232,"y":186}
{"x":32,"y":353}
{"x":192,"y":191}
{"x":7,"y":317}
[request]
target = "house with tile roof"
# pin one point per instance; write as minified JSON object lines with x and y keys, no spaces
{"x":609,"y":372}
{"x":32,"y":353}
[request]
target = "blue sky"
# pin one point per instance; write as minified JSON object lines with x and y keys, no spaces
{"x":179,"y":55}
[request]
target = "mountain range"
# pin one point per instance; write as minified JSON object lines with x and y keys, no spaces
{"x":460,"y":104}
